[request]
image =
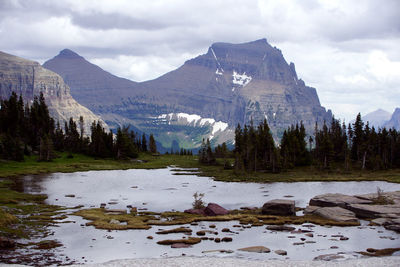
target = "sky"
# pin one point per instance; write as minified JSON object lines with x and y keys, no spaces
{"x":348,"y":50}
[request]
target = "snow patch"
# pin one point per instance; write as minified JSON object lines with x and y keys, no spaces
{"x":216,"y":59}
{"x":218,"y":72}
{"x":195,"y":120}
{"x":240,"y":79}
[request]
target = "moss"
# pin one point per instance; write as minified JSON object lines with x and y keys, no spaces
{"x":101,"y":220}
{"x":6,"y":218}
{"x":379,"y":252}
{"x":189,"y":241}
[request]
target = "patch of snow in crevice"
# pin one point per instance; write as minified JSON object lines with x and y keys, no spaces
{"x":216,"y":59}
{"x":264,"y":56}
{"x":240,"y":79}
{"x":218,"y":72}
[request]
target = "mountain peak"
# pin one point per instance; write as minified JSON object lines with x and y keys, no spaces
{"x":67,"y":53}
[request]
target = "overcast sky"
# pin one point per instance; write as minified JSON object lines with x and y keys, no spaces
{"x":348,"y":50}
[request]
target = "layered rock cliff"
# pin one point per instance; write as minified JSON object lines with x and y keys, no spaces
{"x":29,"y":79}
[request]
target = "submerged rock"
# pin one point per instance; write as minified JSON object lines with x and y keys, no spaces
{"x":281,"y":207}
{"x":280,"y":228}
{"x":328,"y":257}
{"x":281,"y":252}
{"x":257,"y":249}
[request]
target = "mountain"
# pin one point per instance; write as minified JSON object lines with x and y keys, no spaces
{"x":377,"y":118}
{"x":230,"y":84}
{"x":394,"y":121}
{"x":29,"y":79}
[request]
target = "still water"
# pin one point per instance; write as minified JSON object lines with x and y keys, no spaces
{"x":160,"y":190}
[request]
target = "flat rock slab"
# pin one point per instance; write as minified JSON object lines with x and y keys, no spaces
{"x":336,"y":200}
{"x":374,"y":211}
{"x":257,"y":249}
{"x":394,"y":196}
{"x":336,"y":214}
{"x":281,"y":207}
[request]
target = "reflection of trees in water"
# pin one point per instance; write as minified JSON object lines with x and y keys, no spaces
{"x":29,"y":184}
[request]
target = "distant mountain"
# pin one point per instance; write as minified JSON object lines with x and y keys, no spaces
{"x":230,"y":84}
{"x":394,"y":121}
{"x":29,"y":79}
{"x":377,"y":118}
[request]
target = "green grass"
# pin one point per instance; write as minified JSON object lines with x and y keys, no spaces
{"x":147,"y":161}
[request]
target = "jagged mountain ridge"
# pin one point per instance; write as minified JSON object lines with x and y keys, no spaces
{"x":28,"y":79}
{"x":231,"y":83}
{"x":394,"y":121}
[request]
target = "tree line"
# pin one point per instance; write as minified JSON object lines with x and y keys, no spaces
{"x":355,"y":146}
{"x":29,"y":129}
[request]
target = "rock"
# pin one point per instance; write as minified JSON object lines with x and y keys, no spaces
{"x":6,"y":243}
{"x":226,"y":239}
{"x":70,"y":195}
{"x":336,"y":200}
{"x":281,"y":252}
{"x":328,"y":257}
{"x":310,"y":242}
{"x":257,"y":249}
{"x":336,"y":214}
{"x":374,"y":211}
{"x":393,"y":227}
{"x":391,"y":196}
{"x":174,"y":231}
{"x":150,"y":237}
{"x":217,"y":240}
{"x":309,"y":235}
{"x":213,"y":209}
{"x":212,"y":226}
{"x":134,"y":210}
{"x":298,"y":243}
{"x":201,"y":233}
{"x":180,"y":245}
{"x":281,"y":207}
{"x":344,"y":238}
{"x":114,"y":221}
{"x":280,"y":228}
{"x":380,"y":221}
{"x":103,"y":205}
{"x":334,"y":247}
{"x":225,"y":230}
{"x":196,"y":211}
{"x":310,"y":209}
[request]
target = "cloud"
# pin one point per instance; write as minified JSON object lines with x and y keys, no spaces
{"x":347,"y":50}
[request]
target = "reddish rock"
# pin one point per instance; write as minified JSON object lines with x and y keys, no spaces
{"x":213,"y":209}
{"x":196,"y":211}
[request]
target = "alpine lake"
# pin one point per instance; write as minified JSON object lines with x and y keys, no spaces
{"x":153,"y":192}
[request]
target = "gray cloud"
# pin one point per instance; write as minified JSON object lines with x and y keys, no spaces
{"x":331,"y":42}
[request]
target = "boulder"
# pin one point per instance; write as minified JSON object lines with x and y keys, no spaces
{"x":336,"y":214}
{"x":196,"y":211}
{"x":374,"y":211}
{"x":281,"y":207}
{"x":328,"y":257}
{"x":213,"y":209}
{"x":310,"y":209}
{"x":180,"y":245}
{"x":257,"y":249}
{"x":334,"y":200}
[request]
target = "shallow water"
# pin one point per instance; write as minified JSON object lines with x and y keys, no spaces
{"x":160,"y":190}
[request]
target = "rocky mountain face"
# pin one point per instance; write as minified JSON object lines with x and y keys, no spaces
{"x":377,"y":118}
{"x":231,"y":83}
{"x":394,"y":121}
{"x":29,"y":79}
